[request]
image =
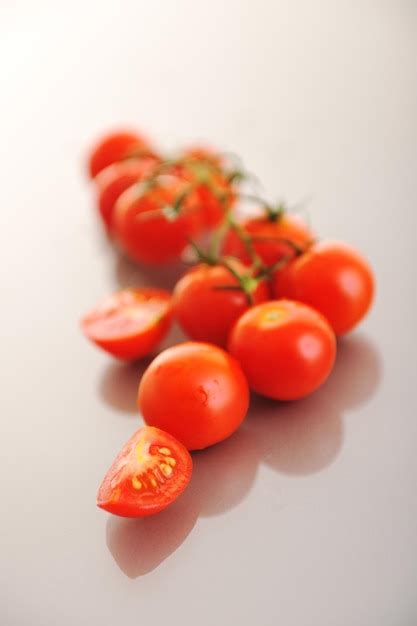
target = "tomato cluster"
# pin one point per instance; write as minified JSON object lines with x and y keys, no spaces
{"x":262,"y":305}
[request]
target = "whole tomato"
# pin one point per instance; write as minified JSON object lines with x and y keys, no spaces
{"x":273,"y":237}
{"x":116,"y":178}
{"x":116,"y":146}
{"x":196,"y":392}
{"x":333,"y":278}
{"x":212,"y":192}
{"x":286,"y":349}
{"x":153,"y":221}
{"x":208,"y":299}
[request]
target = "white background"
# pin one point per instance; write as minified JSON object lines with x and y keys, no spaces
{"x":307,"y":516}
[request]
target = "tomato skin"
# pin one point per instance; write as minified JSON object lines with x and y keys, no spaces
{"x":113,"y":147}
{"x":195,"y":391}
{"x":136,"y":485}
{"x":287,"y":226}
{"x":144,"y":232}
{"x":206,"y":313}
{"x":140,"y":320}
{"x":286,"y":349}
{"x":212,"y":194}
{"x":333,"y":278}
{"x":116,"y":178}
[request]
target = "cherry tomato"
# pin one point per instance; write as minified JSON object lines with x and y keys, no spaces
{"x":148,"y":474}
{"x":201,"y":153}
{"x":268,"y":236}
{"x":334,"y":279}
{"x":212,"y":193}
{"x":206,"y":309}
{"x":286,"y":349}
{"x":195,"y":391}
{"x":130,"y":323}
{"x":114,"y":147}
{"x":146,"y":225}
{"x":116,"y":178}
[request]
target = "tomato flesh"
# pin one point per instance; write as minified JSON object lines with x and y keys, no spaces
{"x":149,"y":473}
{"x":130,"y":323}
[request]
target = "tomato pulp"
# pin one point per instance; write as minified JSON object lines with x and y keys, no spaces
{"x":148,"y":474}
{"x":130,"y":323}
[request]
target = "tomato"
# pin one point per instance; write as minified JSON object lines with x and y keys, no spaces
{"x":148,"y":474}
{"x":130,"y":323}
{"x":116,"y":178}
{"x":201,"y":153}
{"x":286,"y":349}
{"x":212,"y":193}
{"x":333,"y":278}
{"x":195,"y":391}
{"x":268,"y":235}
{"x":116,"y":146}
{"x":145,"y":231}
{"x":205,"y":310}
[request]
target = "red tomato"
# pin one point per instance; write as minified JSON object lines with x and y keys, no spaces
{"x":286,"y":349}
{"x":130,"y":323}
{"x":268,"y":237}
{"x":195,"y":391}
{"x":207,"y":312}
{"x":334,"y":279}
{"x":148,"y":474}
{"x":114,"y":147}
{"x":116,"y":178}
{"x":212,"y":193}
{"x":202,"y":153}
{"x":145,"y":232}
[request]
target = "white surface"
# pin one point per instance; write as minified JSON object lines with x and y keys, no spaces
{"x":308,"y":515}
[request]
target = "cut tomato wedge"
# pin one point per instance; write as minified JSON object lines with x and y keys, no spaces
{"x":148,"y":474}
{"x":130,"y":323}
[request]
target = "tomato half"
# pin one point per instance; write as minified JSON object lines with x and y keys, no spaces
{"x":268,"y":236}
{"x":116,"y":178}
{"x":205,"y":307}
{"x":145,"y":231}
{"x":195,"y":391}
{"x":114,"y":147}
{"x":286,"y":349}
{"x":148,"y":474}
{"x":334,"y":279}
{"x":130,"y":323}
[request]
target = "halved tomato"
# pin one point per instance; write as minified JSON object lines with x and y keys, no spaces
{"x":130,"y":323}
{"x":148,"y":474}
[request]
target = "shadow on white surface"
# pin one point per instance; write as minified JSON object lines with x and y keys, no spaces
{"x":118,"y":386}
{"x":222,"y":476}
{"x":296,"y":438}
{"x":127,"y":273}
{"x":140,"y":545}
{"x":304,"y":437}
{"x":119,"y":382}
